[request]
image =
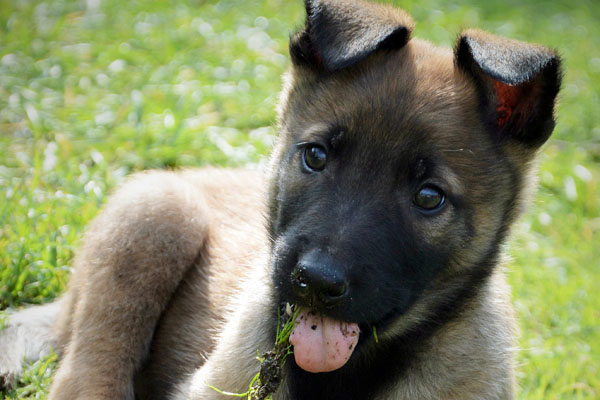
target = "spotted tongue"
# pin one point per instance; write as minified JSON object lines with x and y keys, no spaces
{"x":322,"y":344}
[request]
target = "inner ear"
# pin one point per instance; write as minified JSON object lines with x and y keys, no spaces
{"x":515,"y":103}
{"x":341,"y":33}
{"x":507,"y":98}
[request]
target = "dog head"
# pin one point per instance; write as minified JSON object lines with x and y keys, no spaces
{"x":400,"y":166}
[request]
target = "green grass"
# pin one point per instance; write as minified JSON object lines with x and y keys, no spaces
{"x":91,"y":91}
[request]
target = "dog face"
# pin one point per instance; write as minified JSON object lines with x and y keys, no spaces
{"x":400,"y":166}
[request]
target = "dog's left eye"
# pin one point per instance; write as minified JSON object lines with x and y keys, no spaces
{"x":314,"y":158}
{"x":429,"y":198}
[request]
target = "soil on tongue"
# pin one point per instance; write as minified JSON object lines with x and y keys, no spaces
{"x":322,"y":344}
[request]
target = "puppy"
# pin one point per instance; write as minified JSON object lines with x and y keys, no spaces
{"x":398,"y":172}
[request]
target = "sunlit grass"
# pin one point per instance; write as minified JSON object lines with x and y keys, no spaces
{"x":91,"y":91}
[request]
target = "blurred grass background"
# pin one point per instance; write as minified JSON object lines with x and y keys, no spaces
{"x":93,"y":90}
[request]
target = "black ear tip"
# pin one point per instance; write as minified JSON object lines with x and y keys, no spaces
{"x":505,"y":60}
{"x":556,"y":65}
{"x":462,"y":52}
{"x":341,"y":33}
{"x":310,"y":5}
{"x":302,"y":51}
{"x":397,"y":38}
{"x":553,"y":74}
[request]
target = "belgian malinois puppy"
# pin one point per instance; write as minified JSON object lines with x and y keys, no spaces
{"x":399,"y":170}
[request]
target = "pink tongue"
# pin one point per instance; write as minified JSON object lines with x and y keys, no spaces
{"x":322,"y":344}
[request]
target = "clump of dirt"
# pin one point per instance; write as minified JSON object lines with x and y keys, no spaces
{"x":269,"y":376}
{"x":271,"y":362}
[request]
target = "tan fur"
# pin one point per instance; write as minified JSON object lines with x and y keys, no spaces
{"x":473,"y":355}
{"x":160,"y":230}
{"x":172,"y":290}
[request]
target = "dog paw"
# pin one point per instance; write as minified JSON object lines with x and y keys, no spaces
{"x":6,"y":381}
{"x":11,"y":356}
{"x":27,"y":336}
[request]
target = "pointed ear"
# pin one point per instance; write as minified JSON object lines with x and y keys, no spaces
{"x":340,"y":33}
{"x":517,"y":83}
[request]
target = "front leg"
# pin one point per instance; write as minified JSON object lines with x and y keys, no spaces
{"x":233,"y":363}
{"x":132,"y":260}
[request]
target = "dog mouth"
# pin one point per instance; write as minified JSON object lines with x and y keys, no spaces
{"x":322,"y":343}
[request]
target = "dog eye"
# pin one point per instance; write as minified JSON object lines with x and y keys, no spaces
{"x":314,"y":157}
{"x":429,"y":198}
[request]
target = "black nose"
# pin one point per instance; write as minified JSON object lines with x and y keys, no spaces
{"x":319,"y":281}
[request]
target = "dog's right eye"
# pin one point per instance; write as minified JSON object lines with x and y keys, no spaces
{"x":314,"y":158}
{"x":429,"y":198}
